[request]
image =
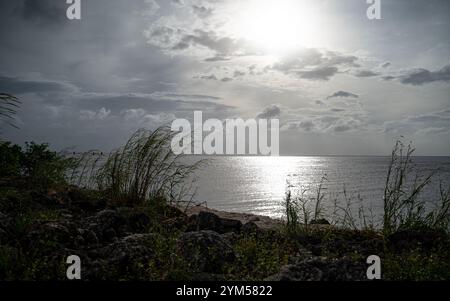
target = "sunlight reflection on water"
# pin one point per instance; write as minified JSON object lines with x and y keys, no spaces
{"x":258,"y":184}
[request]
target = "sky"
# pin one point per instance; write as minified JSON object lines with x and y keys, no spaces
{"x":340,"y":83}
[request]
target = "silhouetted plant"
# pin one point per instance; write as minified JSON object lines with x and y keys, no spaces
{"x":8,"y":109}
{"x":145,"y":169}
{"x":36,"y":165}
{"x":301,"y":209}
{"x":404,"y":207}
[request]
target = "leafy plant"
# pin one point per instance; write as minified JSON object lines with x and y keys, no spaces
{"x":36,"y":165}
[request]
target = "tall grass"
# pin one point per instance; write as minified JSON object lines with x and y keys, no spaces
{"x":85,"y":168}
{"x":404,"y":205}
{"x":300,"y":209}
{"x":144,"y":169}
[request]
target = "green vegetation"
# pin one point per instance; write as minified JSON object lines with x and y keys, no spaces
{"x":407,"y":217}
{"x":118,"y":214}
{"x":144,"y":169}
{"x":34,"y":166}
{"x":403,"y":206}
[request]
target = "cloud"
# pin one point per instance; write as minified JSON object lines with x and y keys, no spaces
{"x":386,"y":65}
{"x":101,"y":114}
{"x":155,"y":102}
{"x":388,"y":78}
{"x":433,"y":131}
{"x":208,"y":77}
{"x":423,"y":76}
{"x":320,"y":73}
{"x":202,"y":11}
{"x":238,"y":73}
{"x":306,"y":126}
{"x":44,"y":12}
{"x":143,"y":117}
{"x":16,"y":85}
{"x":217,"y":58}
{"x":173,"y":38}
{"x":427,"y":122}
{"x":345,"y":117}
{"x":337,"y":110}
{"x":270,"y":112}
{"x":179,"y":3}
{"x":344,"y":94}
{"x":315,"y":64}
{"x":342,"y":128}
{"x":223,"y":46}
{"x":319,"y":102}
{"x":366,"y":73}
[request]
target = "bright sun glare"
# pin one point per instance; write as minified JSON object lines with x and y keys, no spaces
{"x":278,"y":25}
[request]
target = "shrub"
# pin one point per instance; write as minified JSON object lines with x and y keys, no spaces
{"x":43,"y":166}
{"x":37,"y":165}
{"x":10,"y":160}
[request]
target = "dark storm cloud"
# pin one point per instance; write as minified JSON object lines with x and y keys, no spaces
{"x":343,"y":94}
{"x":423,"y":76}
{"x":270,"y":112}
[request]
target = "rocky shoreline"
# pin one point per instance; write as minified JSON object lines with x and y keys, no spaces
{"x":263,"y":222}
{"x":38,"y":232}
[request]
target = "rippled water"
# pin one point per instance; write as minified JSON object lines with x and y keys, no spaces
{"x":258,"y":184}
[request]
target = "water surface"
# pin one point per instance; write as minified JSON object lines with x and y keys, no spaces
{"x":258,"y":184}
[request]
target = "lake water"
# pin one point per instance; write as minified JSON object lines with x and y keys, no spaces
{"x":258,"y":184}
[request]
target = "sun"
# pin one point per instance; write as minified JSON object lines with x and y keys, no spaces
{"x":279,"y":25}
